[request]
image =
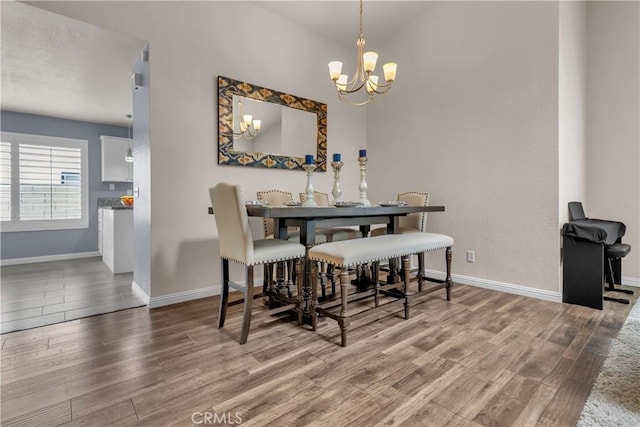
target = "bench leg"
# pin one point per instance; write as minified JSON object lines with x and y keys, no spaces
{"x":376,"y":283}
{"x":344,"y":320}
{"x":448,"y":256}
{"x":421,"y":264}
{"x":314,"y":295}
{"x":300,"y":298}
{"x":406,"y":270}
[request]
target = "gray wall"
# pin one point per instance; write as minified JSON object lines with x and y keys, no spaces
{"x":40,"y":243}
{"x":142,"y":180}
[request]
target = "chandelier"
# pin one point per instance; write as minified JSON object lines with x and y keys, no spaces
{"x":363,"y":76}
{"x":248,"y":127}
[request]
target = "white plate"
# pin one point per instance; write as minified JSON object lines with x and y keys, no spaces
{"x":392,"y":203}
{"x":348,"y":204}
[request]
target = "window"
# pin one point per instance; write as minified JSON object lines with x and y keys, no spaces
{"x":43,"y":183}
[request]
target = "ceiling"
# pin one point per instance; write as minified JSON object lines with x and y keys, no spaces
{"x":56,"y":66}
{"x":338,"y":20}
{"x":60,"y":67}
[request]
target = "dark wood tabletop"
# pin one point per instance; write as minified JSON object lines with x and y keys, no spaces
{"x":335,"y":212}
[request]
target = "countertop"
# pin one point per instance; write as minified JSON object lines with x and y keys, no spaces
{"x":116,"y":208}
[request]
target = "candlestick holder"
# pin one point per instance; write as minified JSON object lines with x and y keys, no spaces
{"x":310,"y":200}
{"x":363,"y":181}
{"x":336,"y":191}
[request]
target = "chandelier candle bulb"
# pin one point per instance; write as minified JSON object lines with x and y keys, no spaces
{"x":341,"y":84}
{"x":372,"y":83}
{"x":308,"y":159}
{"x":390,"y":69}
{"x":335,"y":69}
{"x":362,"y":153}
{"x":337,"y":157}
{"x":369,"y":59}
{"x":257,"y":124}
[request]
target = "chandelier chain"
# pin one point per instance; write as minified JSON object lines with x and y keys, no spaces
{"x":361,"y":27}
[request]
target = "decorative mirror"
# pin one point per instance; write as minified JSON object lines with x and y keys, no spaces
{"x":265,"y":128}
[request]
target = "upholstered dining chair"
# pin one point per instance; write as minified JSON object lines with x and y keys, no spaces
{"x":412,"y":223}
{"x":273,"y":198}
{"x":237,"y":244}
{"x":276,"y":197}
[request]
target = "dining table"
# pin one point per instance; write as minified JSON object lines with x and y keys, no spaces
{"x":310,"y":219}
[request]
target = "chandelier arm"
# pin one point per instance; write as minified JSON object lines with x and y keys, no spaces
{"x":357,"y":104}
{"x":352,"y":89}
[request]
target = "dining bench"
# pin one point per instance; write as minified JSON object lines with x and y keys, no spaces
{"x":351,"y":253}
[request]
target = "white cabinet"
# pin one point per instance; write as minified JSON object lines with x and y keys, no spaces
{"x":117,"y":239}
{"x":100,"y":230}
{"x":114,"y":167}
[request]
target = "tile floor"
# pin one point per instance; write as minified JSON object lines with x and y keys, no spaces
{"x":33,"y":295}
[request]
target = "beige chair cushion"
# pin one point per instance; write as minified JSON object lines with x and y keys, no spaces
{"x":360,"y":251}
{"x":272,"y":250}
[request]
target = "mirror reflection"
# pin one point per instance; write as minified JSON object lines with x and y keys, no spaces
{"x":261,"y":127}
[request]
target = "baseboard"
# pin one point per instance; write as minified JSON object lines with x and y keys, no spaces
{"x":139,"y":292}
{"x":179,"y":297}
{"x":48,"y":258}
{"x":500,"y":286}
{"x":510,"y":288}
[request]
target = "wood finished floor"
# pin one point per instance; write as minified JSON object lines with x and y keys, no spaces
{"x":485,"y":358}
{"x":45,"y":293}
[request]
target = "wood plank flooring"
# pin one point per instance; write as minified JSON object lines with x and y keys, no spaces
{"x":483,"y":359}
{"x":44,"y":293}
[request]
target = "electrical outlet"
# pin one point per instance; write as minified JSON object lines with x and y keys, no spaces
{"x":471,"y":256}
{"x":112,"y":186}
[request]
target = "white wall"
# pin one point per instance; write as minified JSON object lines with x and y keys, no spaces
{"x":572,"y":140}
{"x":613,"y":120}
{"x":191,"y":43}
{"x":483,"y":116}
{"x":472,"y":119}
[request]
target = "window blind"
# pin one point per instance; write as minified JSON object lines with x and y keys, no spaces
{"x":50,"y":180}
{"x":5,"y":181}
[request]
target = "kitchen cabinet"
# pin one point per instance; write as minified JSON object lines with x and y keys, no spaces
{"x":117,"y":239}
{"x":100,"y":231}
{"x":114,"y":167}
